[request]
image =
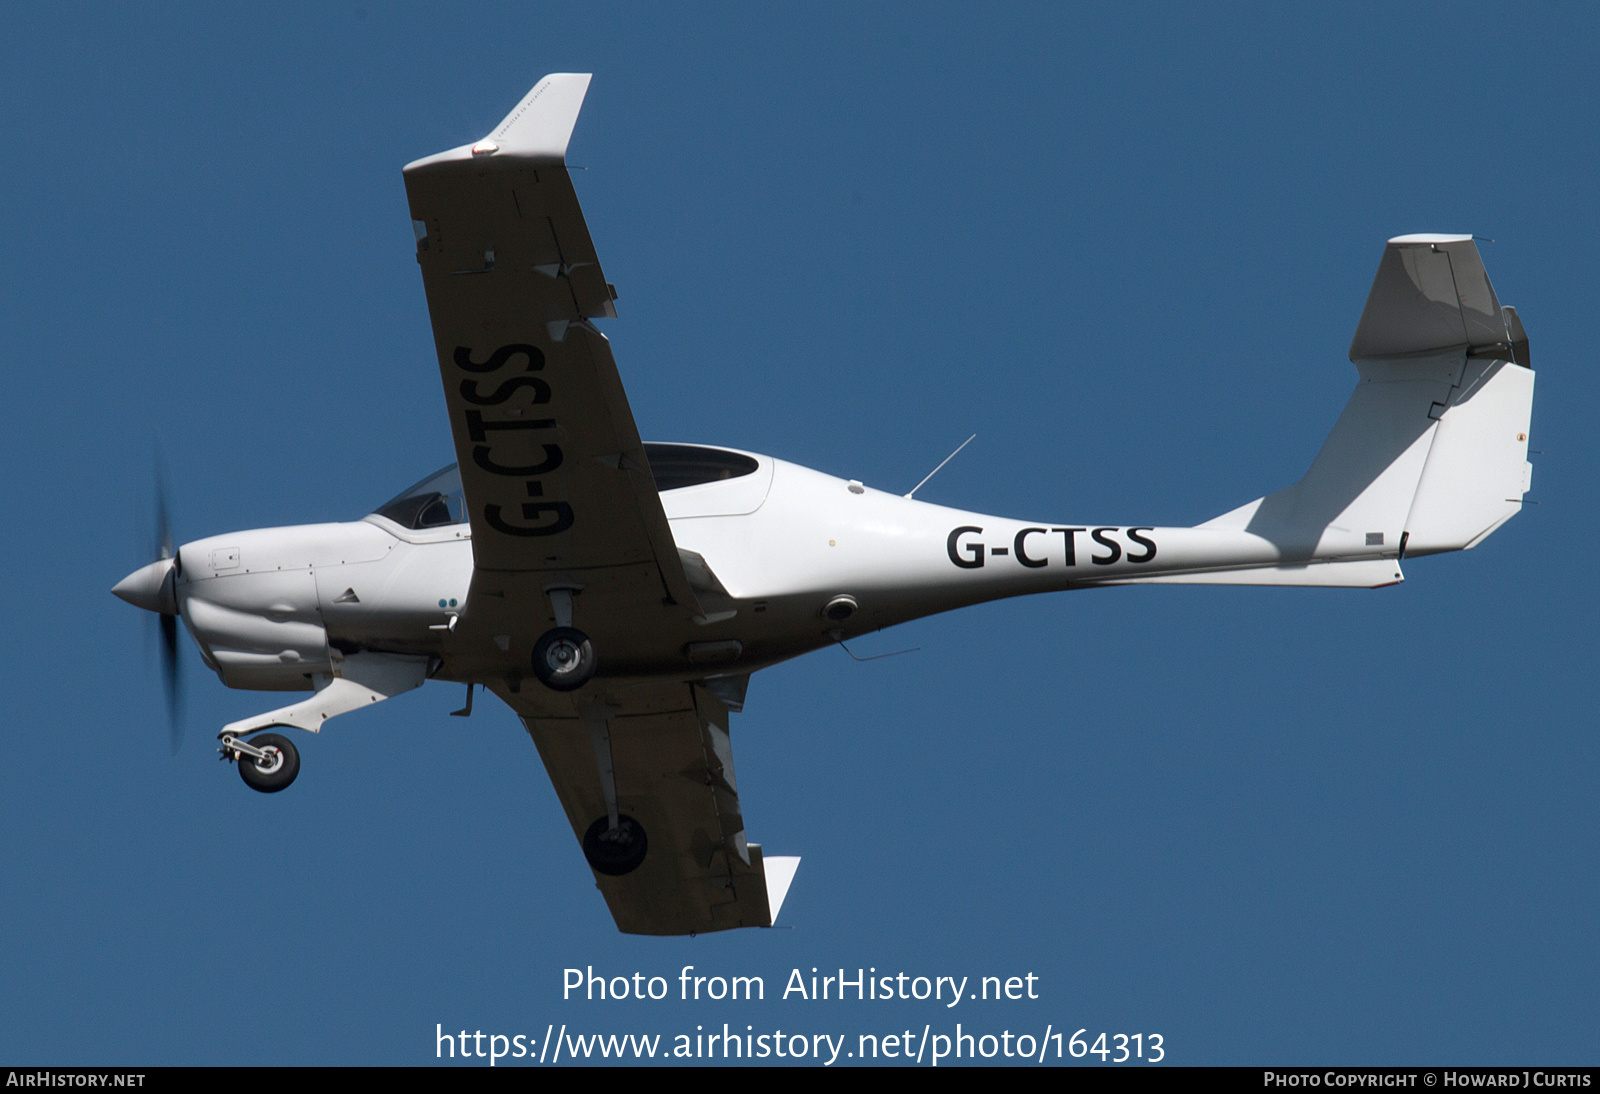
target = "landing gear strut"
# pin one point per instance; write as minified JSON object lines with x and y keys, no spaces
{"x":268,"y":762}
{"x":563,"y":659}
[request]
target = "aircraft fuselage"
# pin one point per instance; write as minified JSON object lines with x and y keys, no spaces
{"x":804,"y":559}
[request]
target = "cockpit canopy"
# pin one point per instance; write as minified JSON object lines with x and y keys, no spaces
{"x":432,"y":503}
{"x":675,"y":466}
{"x":437,"y":500}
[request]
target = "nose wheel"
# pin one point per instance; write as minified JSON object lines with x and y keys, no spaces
{"x":563,"y":659}
{"x":267,"y":762}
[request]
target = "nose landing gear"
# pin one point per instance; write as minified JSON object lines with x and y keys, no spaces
{"x":268,"y":762}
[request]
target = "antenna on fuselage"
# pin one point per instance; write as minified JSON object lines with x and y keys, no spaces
{"x":942,"y":462}
{"x":838,"y":639}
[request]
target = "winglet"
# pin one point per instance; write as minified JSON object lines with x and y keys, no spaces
{"x":537,"y":130}
{"x":780,"y":870}
{"x":542,"y":123}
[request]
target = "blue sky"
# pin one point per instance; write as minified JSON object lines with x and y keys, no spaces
{"x":1126,"y":248}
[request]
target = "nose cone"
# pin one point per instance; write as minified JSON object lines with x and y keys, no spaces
{"x":150,"y":587}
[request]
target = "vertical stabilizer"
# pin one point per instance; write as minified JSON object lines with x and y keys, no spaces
{"x":1430,"y":453}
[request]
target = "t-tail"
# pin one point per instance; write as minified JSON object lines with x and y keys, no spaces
{"x":1430,"y":454}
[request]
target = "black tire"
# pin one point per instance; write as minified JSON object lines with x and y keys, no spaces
{"x":271,"y":777}
{"x":615,"y":854}
{"x":563,"y":659}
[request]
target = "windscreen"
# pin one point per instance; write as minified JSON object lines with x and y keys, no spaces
{"x":431,"y":503}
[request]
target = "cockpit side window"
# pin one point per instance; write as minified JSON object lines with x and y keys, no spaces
{"x":432,"y":503}
{"x":675,"y":466}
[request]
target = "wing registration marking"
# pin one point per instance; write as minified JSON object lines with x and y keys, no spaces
{"x":542,"y":517}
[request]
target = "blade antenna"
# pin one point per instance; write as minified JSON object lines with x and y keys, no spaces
{"x":934,"y":472}
{"x":838,"y":638}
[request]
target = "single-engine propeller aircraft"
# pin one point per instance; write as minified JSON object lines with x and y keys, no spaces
{"x":617,"y":595}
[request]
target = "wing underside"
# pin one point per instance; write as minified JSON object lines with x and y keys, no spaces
{"x":673,"y":765}
{"x":560,"y":497}
{"x":555,"y":477}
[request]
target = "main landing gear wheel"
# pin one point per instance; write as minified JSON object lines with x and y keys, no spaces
{"x":563,"y":659}
{"x":277,"y":770}
{"x":614,"y":853}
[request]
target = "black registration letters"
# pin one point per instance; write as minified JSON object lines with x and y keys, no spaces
{"x":974,"y":558}
{"x":1099,"y":536}
{"x":1022,"y":555}
{"x":497,"y":359}
{"x":1149,"y":545}
{"x":531,"y":511}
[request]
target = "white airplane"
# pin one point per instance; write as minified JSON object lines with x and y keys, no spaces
{"x":617,"y":595}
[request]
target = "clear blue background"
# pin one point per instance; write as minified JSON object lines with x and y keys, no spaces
{"x":1127,"y":248}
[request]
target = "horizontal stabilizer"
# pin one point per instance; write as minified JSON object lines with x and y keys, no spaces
{"x":1431,"y":294}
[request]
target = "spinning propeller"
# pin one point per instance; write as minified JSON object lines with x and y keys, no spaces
{"x":153,"y":588}
{"x":170,"y":664}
